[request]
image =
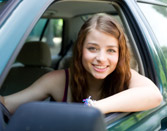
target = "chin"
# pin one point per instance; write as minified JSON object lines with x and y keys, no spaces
{"x":100,"y":77}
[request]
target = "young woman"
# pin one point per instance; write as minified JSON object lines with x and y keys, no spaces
{"x":100,"y":69}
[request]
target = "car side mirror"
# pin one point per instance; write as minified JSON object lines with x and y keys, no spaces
{"x":43,"y":116}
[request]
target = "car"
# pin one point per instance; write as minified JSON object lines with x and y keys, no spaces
{"x":29,"y":28}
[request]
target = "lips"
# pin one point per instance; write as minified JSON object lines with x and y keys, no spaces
{"x":100,"y":68}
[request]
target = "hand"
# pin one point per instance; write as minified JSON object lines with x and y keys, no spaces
{"x":88,"y":101}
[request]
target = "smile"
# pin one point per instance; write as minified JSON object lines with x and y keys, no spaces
{"x":100,"y":68}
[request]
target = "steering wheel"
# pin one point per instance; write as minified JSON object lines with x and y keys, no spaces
{"x":6,"y":113}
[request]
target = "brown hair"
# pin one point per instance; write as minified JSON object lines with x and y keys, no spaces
{"x":119,"y":79}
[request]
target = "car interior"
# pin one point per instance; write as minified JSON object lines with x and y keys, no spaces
{"x":49,"y":52}
{"x":49,"y":45}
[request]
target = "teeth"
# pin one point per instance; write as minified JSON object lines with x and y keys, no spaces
{"x":101,"y":67}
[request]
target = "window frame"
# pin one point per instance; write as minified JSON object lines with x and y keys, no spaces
{"x":7,"y":9}
{"x":140,"y":38}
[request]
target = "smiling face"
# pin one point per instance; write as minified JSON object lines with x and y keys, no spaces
{"x":100,"y":54}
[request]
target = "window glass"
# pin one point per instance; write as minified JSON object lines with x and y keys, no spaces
{"x":157,"y":18}
{"x":50,"y":32}
{"x":162,"y":1}
{"x":37,"y":30}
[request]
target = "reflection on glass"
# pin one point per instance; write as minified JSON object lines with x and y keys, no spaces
{"x":157,"y":18}
{"x":161,"y":10}
{"x":163,"y":1}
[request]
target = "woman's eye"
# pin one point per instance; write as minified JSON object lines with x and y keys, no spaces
{"x":111,"y":50}
{"x":92,"y":49}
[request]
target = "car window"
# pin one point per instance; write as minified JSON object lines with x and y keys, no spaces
{"x":159,"y":26}
{"x":50,"y":32}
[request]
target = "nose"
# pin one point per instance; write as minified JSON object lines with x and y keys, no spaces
{"x":101,"y":56}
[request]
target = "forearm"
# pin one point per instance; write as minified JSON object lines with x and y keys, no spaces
{"x":12,"y":102}
{"x":131,"y":100}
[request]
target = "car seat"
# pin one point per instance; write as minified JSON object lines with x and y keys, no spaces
{"x":33,"y":61}
{"x":52,"y":116}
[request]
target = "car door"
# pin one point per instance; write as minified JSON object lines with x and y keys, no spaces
{"x":153,"y":64}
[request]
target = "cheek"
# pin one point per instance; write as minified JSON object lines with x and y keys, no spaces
{"x":114,"y":59}
{"x":86,"y":57}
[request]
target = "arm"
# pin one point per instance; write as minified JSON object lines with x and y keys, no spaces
{"x":39,"y":90}
{"x":141,"y":95}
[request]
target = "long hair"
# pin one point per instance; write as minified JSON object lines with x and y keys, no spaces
{"x":115,"y":82}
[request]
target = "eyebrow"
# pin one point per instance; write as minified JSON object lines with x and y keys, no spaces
{"x":92,"y":43}
{"x":112,"y":46}
{"x":107,"y":45}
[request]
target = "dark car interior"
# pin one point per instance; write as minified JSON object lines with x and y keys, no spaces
{"x":41,"y":54}
{"x":47,"y":56}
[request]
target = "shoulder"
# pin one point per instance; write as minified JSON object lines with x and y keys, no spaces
{"x":138,"y":80}
{"x":56,"y":74}
{"x":56,"y":80}
{"x":53,"y":83}
{"x":52,"y":77}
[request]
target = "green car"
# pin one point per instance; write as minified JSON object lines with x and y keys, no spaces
{"x":54,"y":25}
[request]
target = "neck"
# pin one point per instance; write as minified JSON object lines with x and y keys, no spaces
{"x":94,"y":87}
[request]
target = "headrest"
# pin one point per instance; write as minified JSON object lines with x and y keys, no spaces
{"x":35,"y":54}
